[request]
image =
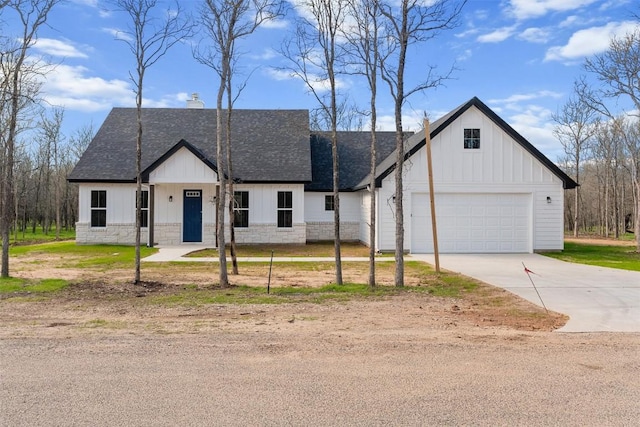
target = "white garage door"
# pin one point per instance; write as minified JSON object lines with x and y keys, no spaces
{"x":472,"y":223}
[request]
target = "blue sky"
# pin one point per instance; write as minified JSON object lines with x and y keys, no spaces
{"x":518,"y":56}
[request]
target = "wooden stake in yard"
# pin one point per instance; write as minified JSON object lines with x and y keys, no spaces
{"x":269,"y":281}
{"x":432,"y":196}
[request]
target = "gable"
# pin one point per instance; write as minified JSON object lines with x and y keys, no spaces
{"x":182,"y":166}
{"x":499,"y":160}
{"x":452,"y":125}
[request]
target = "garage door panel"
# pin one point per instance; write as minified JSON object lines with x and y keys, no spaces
{"x":473,"y":223}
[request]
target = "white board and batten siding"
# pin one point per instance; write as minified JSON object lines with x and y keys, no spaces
{"x":183,"y":167}
{"x":491,"y":199}
{"x":314,"y":207}
{"x":121,"y":202}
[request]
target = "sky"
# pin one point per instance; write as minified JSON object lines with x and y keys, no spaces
{"x":520,"y":57}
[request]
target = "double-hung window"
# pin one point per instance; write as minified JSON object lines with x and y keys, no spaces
{"x":329,"y":203}
{"x":241,"y":209}
{"x":144,"y":210}
{"x":98,"y":208}
{"x":472,"y":139}
{"x":285,"y":209}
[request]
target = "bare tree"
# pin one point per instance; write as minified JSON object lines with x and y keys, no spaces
{"x":606,"y":154}
{"x":16,"y":73}
{"x":149,"y":38}
{"x":76,"y":145}
{"x":617,"y":69}
{"x":409,"y":22}
{"x":314,"y":57}
{"x":50,"y":129}
{"x":574,"y":129}
{"x":225,"y":23}
{"x":364,"y":53}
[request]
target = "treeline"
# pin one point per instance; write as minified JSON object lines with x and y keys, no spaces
{"x":43,"y":196}
{"x":607,"y":202}
{"x":599,"y":129}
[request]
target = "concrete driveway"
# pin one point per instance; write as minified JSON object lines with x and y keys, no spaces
{"x":595,"y":298}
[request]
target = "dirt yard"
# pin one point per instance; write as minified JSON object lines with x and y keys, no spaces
{"x":105,"y":352}
{"x":103,"y":300}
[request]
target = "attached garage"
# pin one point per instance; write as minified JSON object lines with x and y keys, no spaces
{"x":495,"y":192}
{"x":472,"y":223}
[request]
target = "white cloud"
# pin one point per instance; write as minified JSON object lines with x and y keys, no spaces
{"x":467,"y":54}
{"x":387,"y":122}
{"x":520,"y":97}
{"x":499,"y":35}
{"x":72,"y":88}
{"x":92,"y":3}
{"x":470,"y":32}
{"x":170,"y":100}
{"x":276,"y":24}
{"x":280,"y":75}
{"x":265,"y":55}
{"x":570,"y":21}
{"x":535,"y":35}
{"x":60,"y":48}
{"x":316,"y":82}
{"x":117,"y":34}
{"x":589,"y":41}
{"x":529,"y":119}
{"x":525,"y":9}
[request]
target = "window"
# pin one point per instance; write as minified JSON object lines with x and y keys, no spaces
{"x":241,"y":209}
{"x":285,"y":209}
{"x":98,"y":208}
{"x":144,"y":210}
{"x":472,"y":138}
{"x":329,"y":203}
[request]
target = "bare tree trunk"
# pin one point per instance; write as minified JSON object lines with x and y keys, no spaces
{"x":223,"y":276}
{"x":232,"y":231}
{"x":576,"y":210}
{"x":138,"y":175}
{"x":372,"y":201}
{"x":148,"y":42}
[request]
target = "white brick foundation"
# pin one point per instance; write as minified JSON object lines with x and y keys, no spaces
{"x":114,"y":234}
{"x":349,"y":231}
{"x":270,"y":233}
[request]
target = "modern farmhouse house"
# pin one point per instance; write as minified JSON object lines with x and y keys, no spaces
{"x":495,"y":192}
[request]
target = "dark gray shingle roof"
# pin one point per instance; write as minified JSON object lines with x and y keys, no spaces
{"x":353,"y":157}
{"x":269,"y":145}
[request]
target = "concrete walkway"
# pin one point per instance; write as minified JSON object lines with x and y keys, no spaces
{"x":595,"y":298}
{"x":177,"y":254}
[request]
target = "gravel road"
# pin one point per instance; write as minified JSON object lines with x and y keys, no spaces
{"x":289,"y":377}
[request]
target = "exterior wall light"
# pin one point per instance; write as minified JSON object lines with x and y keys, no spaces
{"x":548,"y":199}
{"x":171,"y":199}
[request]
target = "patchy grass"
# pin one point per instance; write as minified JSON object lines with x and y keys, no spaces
{"x":243,"y":294}
{"x":100,"y":277}
{"x":621,"y":257}
{"x":316,"y":249}
{"x":81,"y":256}
{"x":18,"y":285}
{"x":28,"y":237}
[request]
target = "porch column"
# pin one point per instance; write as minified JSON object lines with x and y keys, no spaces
{"x":152,"y":209}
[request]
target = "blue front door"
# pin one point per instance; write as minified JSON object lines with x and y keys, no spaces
{"x":192,"y":216}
